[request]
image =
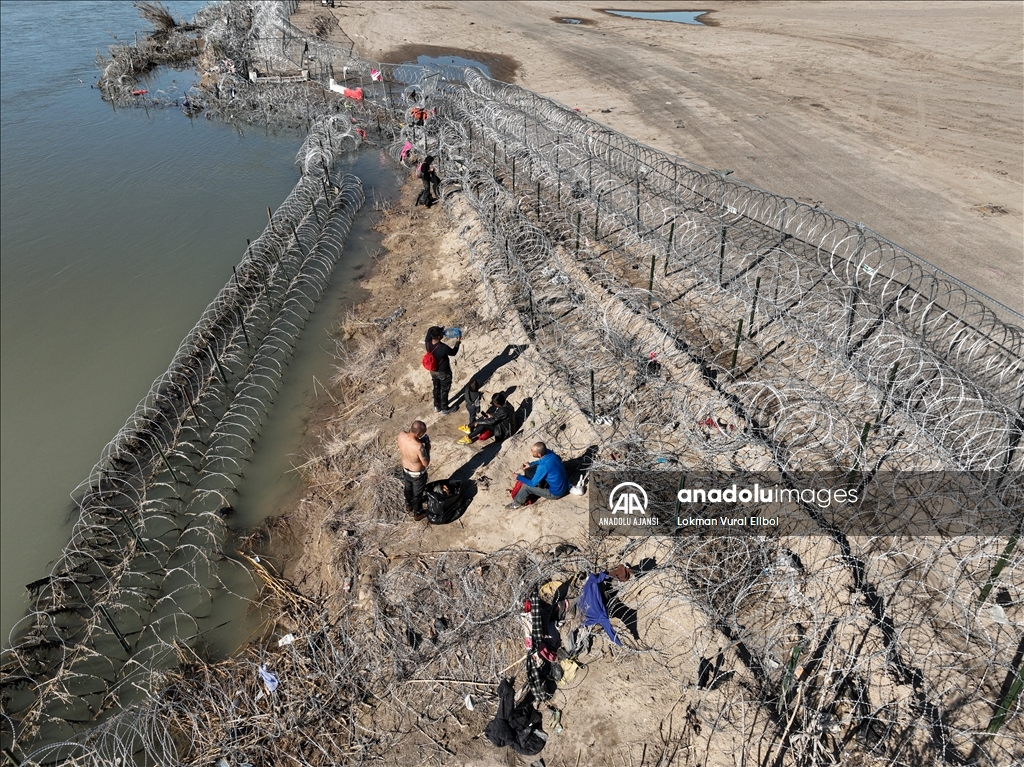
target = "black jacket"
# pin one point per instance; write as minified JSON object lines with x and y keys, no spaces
{"x":500,"y":420}
{"x":441,"y":352}
{"x":516,"y":726}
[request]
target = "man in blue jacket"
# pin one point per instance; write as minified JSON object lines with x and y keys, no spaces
{"x":547,"y":479}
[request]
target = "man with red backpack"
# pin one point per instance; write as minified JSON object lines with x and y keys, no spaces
{"x":436,"y":361}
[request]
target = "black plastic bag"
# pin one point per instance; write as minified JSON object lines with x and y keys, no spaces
{"x":445,"y":502}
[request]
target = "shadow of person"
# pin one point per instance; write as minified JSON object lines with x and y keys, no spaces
{"x":522,"y":412}
{"x":484,"y":374}
{"x":580,"y":465}
{"x":481,"y":458}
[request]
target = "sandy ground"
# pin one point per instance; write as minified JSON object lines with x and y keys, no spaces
{"x":627,"y":704}
{"x":618,"y":703}
{"x":904,"y":116}
{"x":923,"y":144}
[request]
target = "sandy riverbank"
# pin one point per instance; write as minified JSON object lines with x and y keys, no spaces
{"x":354,"y":550}
{"x":349,"y":536}
{"x":903,"y":116}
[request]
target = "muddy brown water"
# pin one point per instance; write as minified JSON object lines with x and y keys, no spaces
{"x":119,"y":227}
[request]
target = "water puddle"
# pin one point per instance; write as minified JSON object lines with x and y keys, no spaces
{"x":680,"y":17}
{"x":453,"y":61}
{"x":498,"y":67}
{"x":571,"y":20}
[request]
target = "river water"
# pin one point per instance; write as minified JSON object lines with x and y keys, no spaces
{"x":118,"y":228}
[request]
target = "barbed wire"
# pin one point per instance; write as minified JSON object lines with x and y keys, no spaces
{"x":144,"y":558}
{"x":784,"y":339}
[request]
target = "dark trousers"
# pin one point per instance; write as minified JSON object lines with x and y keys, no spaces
{"x":432,"y":183}
{"x":442,"y":387}
{"x":476,"y":431}
{"x":414,"y":487}
{"x":473,"y":408}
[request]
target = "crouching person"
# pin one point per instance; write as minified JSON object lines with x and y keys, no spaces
{"x":499,"y":421}
{"x":545,"y":476}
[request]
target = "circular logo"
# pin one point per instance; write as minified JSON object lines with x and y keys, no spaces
{"x":627,"y":498}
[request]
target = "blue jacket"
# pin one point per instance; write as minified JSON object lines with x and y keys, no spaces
{"x":550,"y":468}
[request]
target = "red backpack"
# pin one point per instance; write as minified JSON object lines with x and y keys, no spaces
{"x":430,"y":361}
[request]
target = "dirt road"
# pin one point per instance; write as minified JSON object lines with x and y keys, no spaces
{"x":904,"y":116}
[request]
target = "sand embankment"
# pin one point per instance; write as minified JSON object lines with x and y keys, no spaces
{"x":351,"y":543}
{"x":903,"y":116}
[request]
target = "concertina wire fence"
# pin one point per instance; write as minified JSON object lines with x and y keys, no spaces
{"x":787,"y":339}
{"x":138,"y":575}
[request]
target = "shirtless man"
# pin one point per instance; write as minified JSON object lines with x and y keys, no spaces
{"x":414,"y":445}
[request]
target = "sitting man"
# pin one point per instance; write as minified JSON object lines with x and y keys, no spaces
{"x":499,"y":420}
{"x":546,"y":478}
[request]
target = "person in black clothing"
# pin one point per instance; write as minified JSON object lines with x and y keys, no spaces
{"x":474,"y":399}
{"x":442,"y":376}
{"x":499,"y":420}
{"x":431,"y":181}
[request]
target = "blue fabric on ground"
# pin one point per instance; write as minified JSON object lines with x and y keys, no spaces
{"x":592,"y":605}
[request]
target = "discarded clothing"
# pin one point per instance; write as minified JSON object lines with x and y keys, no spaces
{"x":548,"y":591}
{"x":268,"y":679}
{"x":617,"y":609}
{"x":569,"y":669}
{"x":592,"y":604}
{"x":516,"y":726}
{"x":537,"y":682}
